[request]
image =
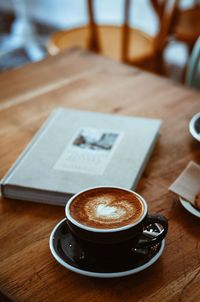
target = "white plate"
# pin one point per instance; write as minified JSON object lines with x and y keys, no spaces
{"x":187,"y":205}
{"x":97,"y":274}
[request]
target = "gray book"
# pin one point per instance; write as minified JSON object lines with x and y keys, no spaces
{"x":75,"y":150}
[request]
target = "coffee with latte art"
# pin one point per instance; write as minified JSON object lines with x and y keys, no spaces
{"x":107,"y":208}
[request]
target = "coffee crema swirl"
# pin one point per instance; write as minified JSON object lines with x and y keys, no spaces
{"x":106,"y":208}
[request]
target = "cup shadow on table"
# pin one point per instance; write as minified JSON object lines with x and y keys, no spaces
{"x":128,"y":285}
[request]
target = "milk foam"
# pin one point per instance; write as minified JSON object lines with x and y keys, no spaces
{"x":106,"y":208}
{"x":109,"y":212}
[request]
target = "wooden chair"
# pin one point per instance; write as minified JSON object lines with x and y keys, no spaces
{"x":123,"y":43}
{"x":152,"y":60}
{"x":185,"y":24}
{"x":108,"y":40}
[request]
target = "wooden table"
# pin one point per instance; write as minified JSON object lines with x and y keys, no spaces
{"x":78,"y":79}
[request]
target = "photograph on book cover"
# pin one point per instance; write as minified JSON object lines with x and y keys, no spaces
{"x":89,"y":151}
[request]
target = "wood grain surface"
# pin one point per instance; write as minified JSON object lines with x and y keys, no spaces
{"x":79,"y":79}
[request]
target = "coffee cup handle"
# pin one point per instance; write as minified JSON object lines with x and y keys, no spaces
{"x":150,"y":238}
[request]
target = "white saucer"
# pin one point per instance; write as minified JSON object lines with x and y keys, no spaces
{"x":71,"y":267}
{"x":187,"y":205}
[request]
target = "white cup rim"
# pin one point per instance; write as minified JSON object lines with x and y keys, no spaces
{"x":96,"y":230}
{"x":192,"y":126}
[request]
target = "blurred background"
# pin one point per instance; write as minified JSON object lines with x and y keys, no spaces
{"x":156,"y":35}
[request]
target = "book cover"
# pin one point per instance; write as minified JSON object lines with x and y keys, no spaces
{"x":75,"y":150}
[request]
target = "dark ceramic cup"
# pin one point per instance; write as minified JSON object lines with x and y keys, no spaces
{"x":137,"y":233}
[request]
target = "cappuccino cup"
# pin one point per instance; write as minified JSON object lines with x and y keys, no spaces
{"x":113,"y":216}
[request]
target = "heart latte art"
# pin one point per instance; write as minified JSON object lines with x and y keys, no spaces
{"x":106,"y":208}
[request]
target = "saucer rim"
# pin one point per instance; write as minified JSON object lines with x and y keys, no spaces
{"x":186,"y":204}
{"x":97,"y":274}
{"x":192,"y":130}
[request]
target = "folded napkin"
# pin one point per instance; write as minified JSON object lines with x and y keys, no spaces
{"x":187,"y":185}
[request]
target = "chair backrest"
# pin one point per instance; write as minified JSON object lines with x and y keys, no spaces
{"x":93,"y":43}
{"x":193,"y":69}
{"x":126,"y":32}
{"x":178,"y":21}
{"x":168,"y":14}
{"x":159,"y":5}
{"x":167,"y":10}
{"x":166,"y":23}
